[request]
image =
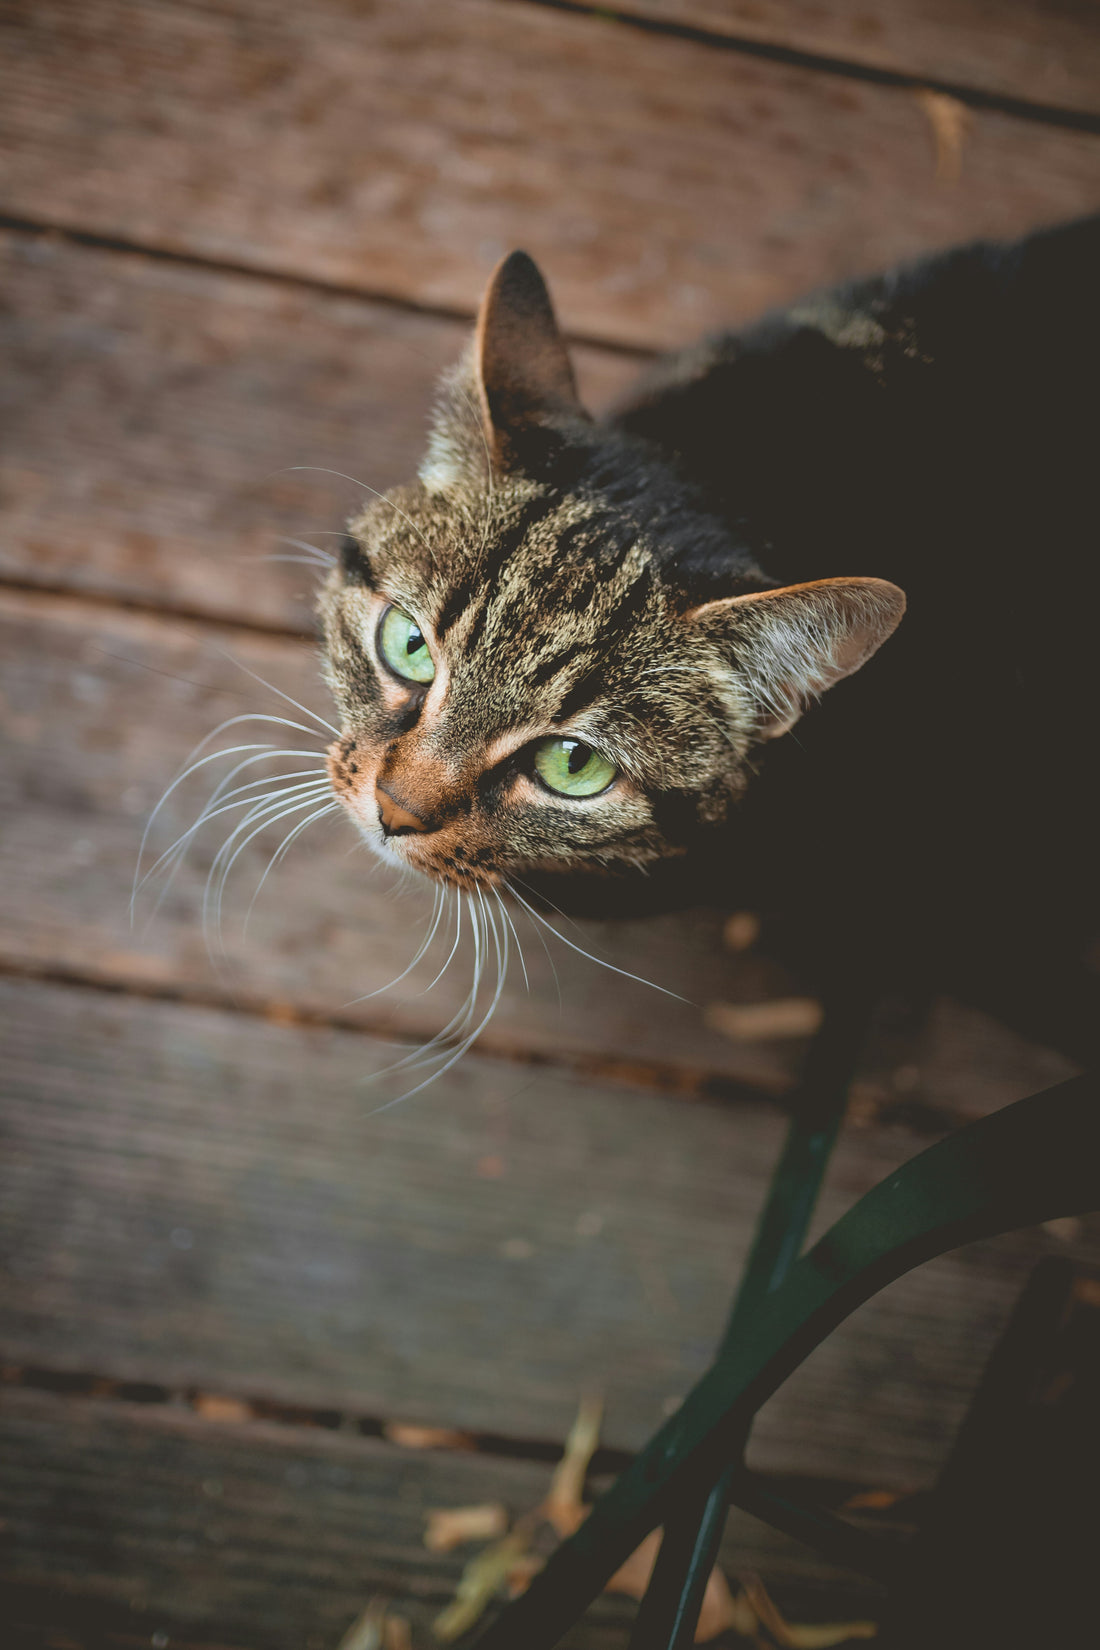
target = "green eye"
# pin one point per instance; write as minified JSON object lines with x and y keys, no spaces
{"x":402,"y":645}
{"x":574,"y":769}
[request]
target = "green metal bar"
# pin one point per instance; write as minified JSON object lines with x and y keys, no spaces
{"x":833,"y":1537}
{"x":1034,"y":1161}
{"x":669,"y":1612}
{"x":816,"y":1118}
{"x":693,"y":1532}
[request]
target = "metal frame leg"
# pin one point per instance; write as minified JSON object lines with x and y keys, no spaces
{"x":693,"y":1534}
{"x":1033,"y":1161}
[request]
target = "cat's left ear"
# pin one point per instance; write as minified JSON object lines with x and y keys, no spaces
{"x":789,"y":646}
{"x":524,"y":374}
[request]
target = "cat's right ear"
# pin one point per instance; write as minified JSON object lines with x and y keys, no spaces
{"x":505,"y":406}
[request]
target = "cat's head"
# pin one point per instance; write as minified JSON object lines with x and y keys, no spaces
{"x":546,"y":655}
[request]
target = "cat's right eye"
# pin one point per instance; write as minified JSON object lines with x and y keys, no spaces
{"x":572,"y":768}
{"x":403,"y":647}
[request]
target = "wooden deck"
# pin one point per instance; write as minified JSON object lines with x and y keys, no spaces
{"x":251,"y":1329}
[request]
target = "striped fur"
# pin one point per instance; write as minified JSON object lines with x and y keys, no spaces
{"x":568,"y":584}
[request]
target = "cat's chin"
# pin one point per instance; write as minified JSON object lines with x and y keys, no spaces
{"x":379,"y":845}
{"x":438,"y":876}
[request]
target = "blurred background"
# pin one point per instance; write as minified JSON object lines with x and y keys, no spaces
{"x":253,"y":1329}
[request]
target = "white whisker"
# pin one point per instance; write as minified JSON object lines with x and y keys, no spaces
{"x":268,"y":814}
{"x":505,"y":913}
{"x":281,"y":852}
{"x":458,"y":1022}
{"x":600,"y":961}
{"x":454,"y":947}
{"x":320,"y":468}
{"x":501,"y":950}
{"x":437,"y":912}
{"x":323,"y":557}
{"x":541,"y":937}
{"x":270,"y":686}
{"x":192,"y":766}
{"x":275,"y":555}
{"x":211,"y":812}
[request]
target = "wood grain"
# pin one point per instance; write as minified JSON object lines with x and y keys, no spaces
{"x":195,"y":1189}
{"x":195,"y":1197}
{"x":402,"y":149}
{"x":1018,"y":48}
{"x":157,"y":416}
{"x":259,"y":1537}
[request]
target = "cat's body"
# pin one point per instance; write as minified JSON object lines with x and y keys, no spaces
{"x":939,"y":428}
{"x":612,"y":590}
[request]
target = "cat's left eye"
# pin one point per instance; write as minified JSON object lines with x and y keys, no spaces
{"x":572,"y":768}
{"x":402,"y":645}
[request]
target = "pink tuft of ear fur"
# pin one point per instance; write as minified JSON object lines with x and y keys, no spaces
{"x":524,"y":373}
{"x":791,"y":645}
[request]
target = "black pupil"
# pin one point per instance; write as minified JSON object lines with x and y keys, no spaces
{"x":415,"y":641}
{"x":578,"y":757}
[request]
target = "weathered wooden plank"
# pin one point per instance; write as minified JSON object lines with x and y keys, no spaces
{"x":268,"y":1537}
{"x":102,"y":707}
{"x":196,"y":1197}
{"x":155,"y":413}
{"x":402,"y":148}
{"x":1022,"y":49}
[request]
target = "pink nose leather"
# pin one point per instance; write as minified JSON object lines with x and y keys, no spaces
{"x":395,"y":819}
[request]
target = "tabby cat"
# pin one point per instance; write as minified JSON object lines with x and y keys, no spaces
{"x":569,"y":657}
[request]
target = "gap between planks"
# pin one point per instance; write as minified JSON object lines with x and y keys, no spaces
{"x":710,"y":186}
{"x":844,"y":68}
{"x":221,"y":1408}
{"x":679,"y":1082}
{"x":274,"y":1538}
{"x":37,"y":590}
{"x":296,"y":280}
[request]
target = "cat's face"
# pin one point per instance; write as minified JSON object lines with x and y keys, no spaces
{"x":522,"y":691}
{"x":526,"y":677}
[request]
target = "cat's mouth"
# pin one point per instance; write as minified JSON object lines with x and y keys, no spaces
{"x":438,"y":855}
{"x":442,"y":863}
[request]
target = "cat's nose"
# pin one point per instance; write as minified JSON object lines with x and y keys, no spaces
{"x":393,"y":818}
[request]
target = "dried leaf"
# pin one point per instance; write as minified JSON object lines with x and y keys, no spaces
{"x":791,"y":1635}
{"x":873,"y":1500}
{"x":1087,"y":1291}
{"x":563,"y":1507}
{"x":449,"y":1527}
{"x":396,"y":1634}
{"x":815,"y":1636}
{"x":283,"y":1014}
{"x":632,"y":1578}
{"x":365,"y":1632}
{"x":216,"y":1406}
{"x":481,"y":1580}
{"x":754,"y":1022}
{"x":411,"y":1436}
{"x":523,"y":1572}
{"x":719,"y":1609}
{"x":950,"y":121}
{"x":741,"y":931}
{"x":509,"y":1565}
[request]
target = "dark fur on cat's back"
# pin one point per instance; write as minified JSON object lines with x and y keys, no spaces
{"x":676,"y":585}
